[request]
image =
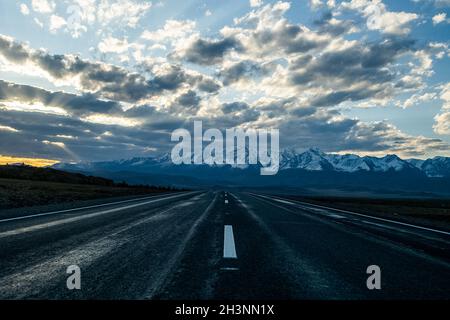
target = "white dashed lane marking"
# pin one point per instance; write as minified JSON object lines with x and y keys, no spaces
{"x":229,"y":248}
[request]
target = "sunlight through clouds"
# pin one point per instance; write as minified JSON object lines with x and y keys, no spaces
{"x":329,"y":73}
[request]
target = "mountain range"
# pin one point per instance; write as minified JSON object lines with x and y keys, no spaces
{"x":311,"y":168}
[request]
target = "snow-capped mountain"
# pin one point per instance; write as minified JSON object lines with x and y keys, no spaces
{"x":308,"y":170}
{"x":310,"y":160}
{"x":316,"y":160}
{"x":435,"y":167}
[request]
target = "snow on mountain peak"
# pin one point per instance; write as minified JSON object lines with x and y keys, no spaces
{"x":313,"y":159}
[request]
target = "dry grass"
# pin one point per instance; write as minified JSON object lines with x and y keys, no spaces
{"x":433,"y":212}
{"x":25,"y":193}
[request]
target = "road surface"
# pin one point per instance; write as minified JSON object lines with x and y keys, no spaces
{"x":219,"y":245}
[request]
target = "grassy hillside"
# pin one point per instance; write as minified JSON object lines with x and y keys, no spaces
{"x":23,"y":186}
{"x":50,"y":175}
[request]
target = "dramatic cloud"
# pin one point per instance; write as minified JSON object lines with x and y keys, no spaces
{"x":356,"y":72}
{"x":189,"y":99}
{"x":135,"y":80}
{"x":266,"y":32}
{"x":208,"y":52}
{"x":102,"y":79}
{"x":241,"y":70}
{"x":329,"y":25}
{"x":28,"y":95}
{"x":40,"y":133}
{"x":352,"y":135}
{"x":208,"y":85}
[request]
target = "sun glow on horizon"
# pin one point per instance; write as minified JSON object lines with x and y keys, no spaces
{"x":35,"y":162}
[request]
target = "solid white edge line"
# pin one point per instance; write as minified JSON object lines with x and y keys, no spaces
{"x":293,"y":202}
{"x":158,"y":197}
{"x":229,"y":248}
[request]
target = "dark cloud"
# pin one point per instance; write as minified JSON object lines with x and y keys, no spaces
{"x":354,"y":64}
{"x":335,"y":98}
{"x":281,"y":108}
{"x":292,"y":39}
{"x":303,"y":111}
{"x":352,"y":134}
{"x":234,"y":106}
{"x":209,"y":52}
{"x":335,"y":27}
{"x":286,"y":38}
{"x":301,"y":127}
{"x":173,"y":76}
{"x":339,"y":70}
{"x":243,"y":69}
{"x":386,"y":51}
{"x":353,"y":72}
{"x":189,"y":100}
{"x":239,"y":112}
{"x":13,"y":51}
{"x":170,"y":80}
{"x":300,"y":62}
{"x":142,"y":111}
{"x":186,"y":104}
{"x":109,"y":81}
{"x":208,"y":85}
{"x":73,"y":104}
{"x":91,"y":141}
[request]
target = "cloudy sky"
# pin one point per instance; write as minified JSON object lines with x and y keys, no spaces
{"x":111,"y":79}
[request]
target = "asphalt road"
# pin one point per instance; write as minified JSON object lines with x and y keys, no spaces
{"x":219,"y":245}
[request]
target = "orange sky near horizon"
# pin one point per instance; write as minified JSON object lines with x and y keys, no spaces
{"x":35,"y":162}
